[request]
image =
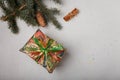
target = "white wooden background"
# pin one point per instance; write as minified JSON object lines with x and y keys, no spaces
{"x":92,"y":40}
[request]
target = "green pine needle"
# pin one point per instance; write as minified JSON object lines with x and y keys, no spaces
{"x":57,"y":1}
{"x":13,"y":25}
{"x":55,"y":11}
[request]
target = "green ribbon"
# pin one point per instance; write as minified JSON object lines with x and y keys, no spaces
{"x":47,"y":49}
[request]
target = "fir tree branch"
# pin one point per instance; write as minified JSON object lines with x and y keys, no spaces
{"x":28,"y":17}
{"x":13,"y":25}
{"x":55,"y":11}
{"x":57,"y":1}
{"x":28,"y":14}
{"x":11,"y":20}
{"x":26,"y":10}
{"x":11,"y":4}
{"x":48,"y":13}
{"x":4,"y":18}
{"x":55,"y":22}
{"x":4,"y":8}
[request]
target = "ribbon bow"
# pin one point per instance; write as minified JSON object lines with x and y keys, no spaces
{"x":47,"y":49}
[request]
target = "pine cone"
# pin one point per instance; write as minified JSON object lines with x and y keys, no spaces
{"x":40,"y":19}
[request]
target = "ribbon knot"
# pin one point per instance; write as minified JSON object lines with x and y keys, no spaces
{"x":47,"y":50}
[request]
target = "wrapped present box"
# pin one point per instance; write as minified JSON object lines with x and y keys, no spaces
{"x":44,"y":50}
